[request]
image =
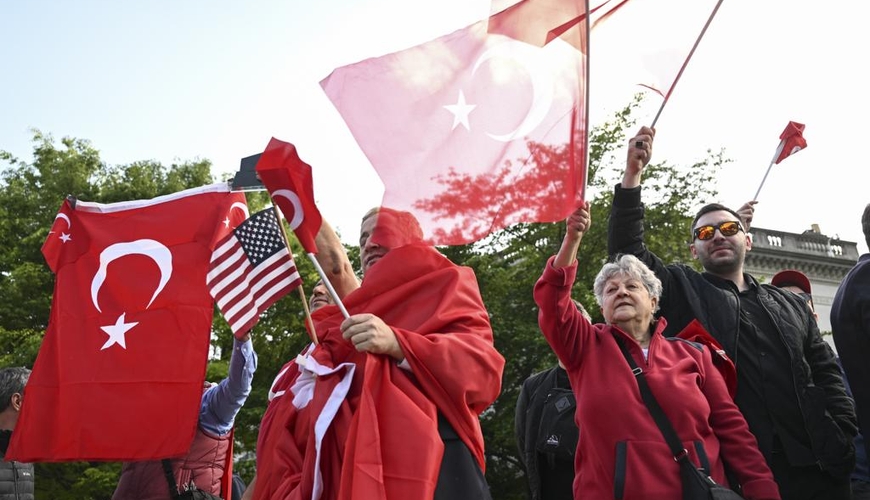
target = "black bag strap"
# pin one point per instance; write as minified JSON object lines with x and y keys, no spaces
{"x":170,"y":478}
{"x":653,"y":406}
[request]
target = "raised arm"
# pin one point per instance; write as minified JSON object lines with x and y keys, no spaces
{"x":576,"y":226}
{"x":639,"y":155}
{"x":334,"y":261}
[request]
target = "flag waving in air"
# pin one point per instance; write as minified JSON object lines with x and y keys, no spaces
{"x":288,"y":180}
{"x":475,"y":130}
{"x":120,"y":371}
{"x":791,"y":141}
{"x":250,"y":270}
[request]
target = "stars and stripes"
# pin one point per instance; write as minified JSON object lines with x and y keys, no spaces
{"x":250,"y":270}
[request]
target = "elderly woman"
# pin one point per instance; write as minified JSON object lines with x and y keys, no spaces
{"x":622,"y":453}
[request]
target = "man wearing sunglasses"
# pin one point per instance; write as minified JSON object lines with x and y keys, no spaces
{"x":789,"y":386}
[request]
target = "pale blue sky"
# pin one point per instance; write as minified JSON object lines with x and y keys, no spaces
{"x":178,"y":80}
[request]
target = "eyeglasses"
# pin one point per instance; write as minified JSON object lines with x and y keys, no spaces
{"x":727,"y":228}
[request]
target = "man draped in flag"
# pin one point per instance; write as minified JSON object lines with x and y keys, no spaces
{"x":387,"y":405}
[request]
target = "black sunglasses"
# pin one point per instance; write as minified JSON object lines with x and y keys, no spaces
{"x":727,"y":228}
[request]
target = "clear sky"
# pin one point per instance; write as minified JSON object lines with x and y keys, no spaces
{"x":179,"y":80}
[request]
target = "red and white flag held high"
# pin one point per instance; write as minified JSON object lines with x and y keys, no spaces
{"x":289,"y":182}
{"x":250,"y":270}
{"x":120,"y":371}
{"x":791,"y":141}
{"x":475,"y":131}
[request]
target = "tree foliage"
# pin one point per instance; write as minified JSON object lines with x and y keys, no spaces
{"x":507,"y":265}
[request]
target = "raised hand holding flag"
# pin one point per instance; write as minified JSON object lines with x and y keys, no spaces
{"x":791,"y":140}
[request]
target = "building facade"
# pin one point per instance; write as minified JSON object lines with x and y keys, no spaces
{"x":825,"y":261}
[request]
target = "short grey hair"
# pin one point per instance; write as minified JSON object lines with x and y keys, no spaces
{"x":12,"y":380}
{"x":631,"y":266}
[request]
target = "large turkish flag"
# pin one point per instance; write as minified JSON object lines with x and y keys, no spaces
{"x":475,"y":130}
{"x":120,"y":372}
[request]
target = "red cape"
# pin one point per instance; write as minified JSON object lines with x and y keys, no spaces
{"x":383,"y":441}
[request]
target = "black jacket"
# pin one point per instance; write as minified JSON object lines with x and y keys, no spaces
{"x":850,"y":321}
{"x":546,"y":432}
{"x":828,"y":413}
{"x":16,"y":480}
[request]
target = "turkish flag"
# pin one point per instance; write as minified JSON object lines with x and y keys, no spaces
{"x":475,"y":130}
{"x":289,"y":182}
{"x":791,"y":141}
{"x":381,"y":439}
{"x":120,"y":371}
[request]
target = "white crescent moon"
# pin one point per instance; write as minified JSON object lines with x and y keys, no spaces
{"x":298,"y":213}
{"x":541,"y":76}
{"x":149,"y":248}
{"x":64,"y":217}
{"x":241,"y":206}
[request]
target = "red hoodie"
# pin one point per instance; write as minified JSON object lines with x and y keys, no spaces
{"x":621,"y":453}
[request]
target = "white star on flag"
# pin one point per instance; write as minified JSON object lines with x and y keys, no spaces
{"x":117,"y":331}
{"x":460,"y":111}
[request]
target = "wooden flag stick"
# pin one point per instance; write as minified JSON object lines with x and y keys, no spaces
{"x":311,"y":332}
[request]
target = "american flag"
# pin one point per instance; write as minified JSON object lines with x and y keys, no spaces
{"x":250,"y":270}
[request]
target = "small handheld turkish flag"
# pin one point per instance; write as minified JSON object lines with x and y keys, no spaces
{"x":288,"y":180}
{"x":791,"y":141}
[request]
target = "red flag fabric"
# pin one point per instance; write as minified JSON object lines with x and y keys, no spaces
{"x":250,"y":270}
{"x":473,"y":131}
{"x":378,"y":439}
{"x":120,"y":370}
{"x":289,"y":182}
{"x":791,"y":141}
{"x":696,"y":332}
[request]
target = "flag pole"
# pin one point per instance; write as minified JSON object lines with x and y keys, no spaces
{"x":775,"y":156}
{"x":686,"y":63}
{"x":328,"y":285}
{"x":585,"y":81}
{"x":312,"y":334}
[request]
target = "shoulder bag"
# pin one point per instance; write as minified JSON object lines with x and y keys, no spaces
{"x":697,"y":483}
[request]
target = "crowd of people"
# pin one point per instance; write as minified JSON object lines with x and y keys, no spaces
{"x":386,"y":402}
